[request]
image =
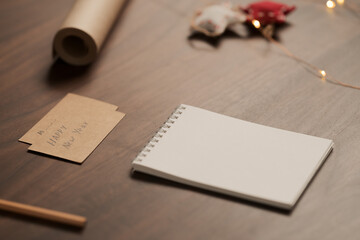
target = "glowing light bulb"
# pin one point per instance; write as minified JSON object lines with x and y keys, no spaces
{"x":340,"y":2}
{"x":323,"y":74}
{"x":256,"y":23}
{"x":330,"y":4}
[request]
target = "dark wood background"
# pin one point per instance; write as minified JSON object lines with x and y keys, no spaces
{"x":149,"y":65}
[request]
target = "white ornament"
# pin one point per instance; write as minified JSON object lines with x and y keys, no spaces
{"x":213,"y":20}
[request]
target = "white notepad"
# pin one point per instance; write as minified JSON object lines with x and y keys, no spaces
{"x":234,"y":157}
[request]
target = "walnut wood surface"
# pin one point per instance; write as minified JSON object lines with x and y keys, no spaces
{"x":147,"y":67}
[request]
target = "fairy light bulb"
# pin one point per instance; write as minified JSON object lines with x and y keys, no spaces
{"x":340,"y":2}
{"x":330,"y":4}
{"x":256,"y":23}
{"x":323,"y":74}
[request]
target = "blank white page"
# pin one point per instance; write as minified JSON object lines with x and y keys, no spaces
{"x":235,"y":157}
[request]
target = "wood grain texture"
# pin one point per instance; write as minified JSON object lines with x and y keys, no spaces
{"x":147,"y":67}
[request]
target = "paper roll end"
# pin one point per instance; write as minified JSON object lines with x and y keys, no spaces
{"x":74,"y":46}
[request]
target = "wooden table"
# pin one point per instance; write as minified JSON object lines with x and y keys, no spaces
{"x":147,"y":67}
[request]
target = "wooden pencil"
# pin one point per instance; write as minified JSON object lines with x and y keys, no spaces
{"x":43,"y":213}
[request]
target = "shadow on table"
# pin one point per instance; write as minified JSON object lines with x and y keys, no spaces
{"x":255,"y":33}
{"x":38,"y":221}
{"x":44,"y":155}
{"x":212,"y":41}
{"x":156,"y":180}
{"x":242,"y":32}
{"x":61,"y":73}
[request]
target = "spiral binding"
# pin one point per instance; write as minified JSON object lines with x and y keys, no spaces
{"x":160,"y":133}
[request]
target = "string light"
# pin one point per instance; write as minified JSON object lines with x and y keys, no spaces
{"x":323,"y":75}
{"x":330,"y":4}
{"x":349,"y":5}
{"x":267,"y":32}
{"x":256,"y":23}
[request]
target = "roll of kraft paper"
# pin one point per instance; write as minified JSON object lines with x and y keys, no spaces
{"x":82,"y":34}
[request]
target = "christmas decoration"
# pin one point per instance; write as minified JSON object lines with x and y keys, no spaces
{"x":213,"y":20}
{"x":267,"y":12}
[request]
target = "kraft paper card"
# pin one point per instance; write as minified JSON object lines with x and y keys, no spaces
{"x":73,"y":128}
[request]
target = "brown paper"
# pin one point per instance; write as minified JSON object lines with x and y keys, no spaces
{"x":73,"y":128}
{"x":82,"y":34}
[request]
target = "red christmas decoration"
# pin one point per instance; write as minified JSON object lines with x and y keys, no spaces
{"x":267,"y":12}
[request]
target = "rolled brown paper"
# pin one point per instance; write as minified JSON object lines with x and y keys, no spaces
{"x":84,"y":30}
